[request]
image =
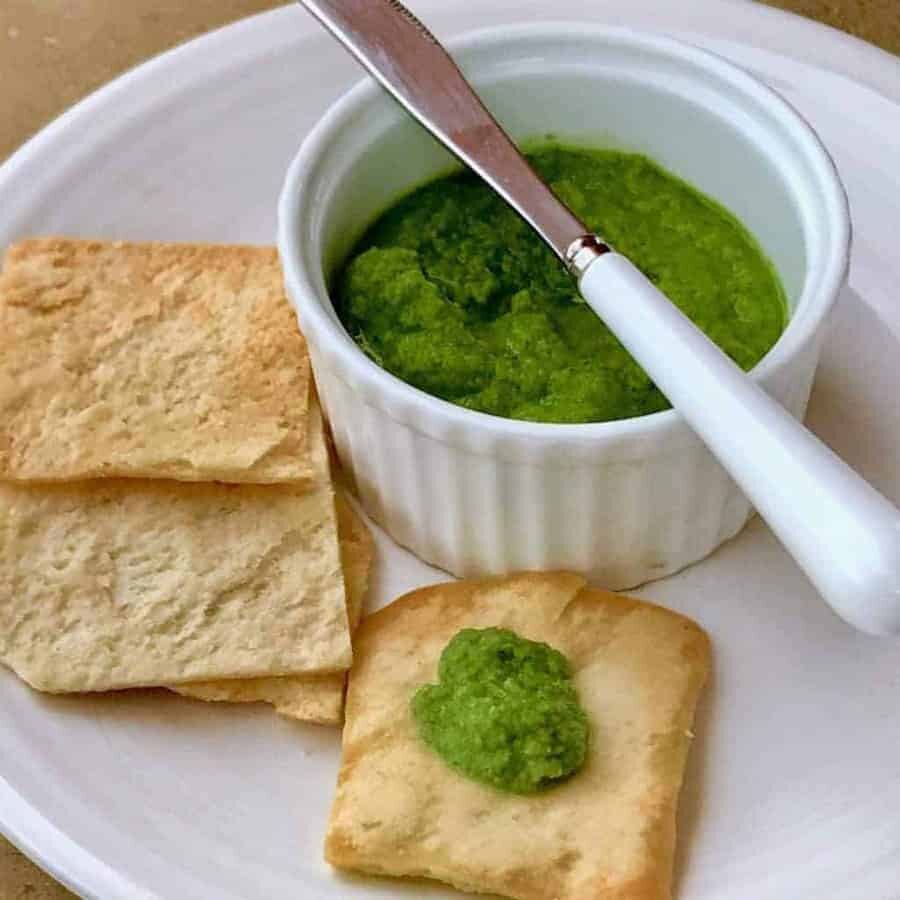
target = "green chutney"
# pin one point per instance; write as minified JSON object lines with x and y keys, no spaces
{"x":451,"y":291}
{"x":504,"y":712}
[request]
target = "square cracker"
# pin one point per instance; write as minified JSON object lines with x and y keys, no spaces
{"x":608,"y":833}
{"x":308,"y":698}
{"x":149,"y":360}
{"x":121,"y":583}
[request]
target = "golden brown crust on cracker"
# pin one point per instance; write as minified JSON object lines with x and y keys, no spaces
{"x":316,"y":699}
{"x":357,"y":555}
{"x":149,"y":360}
{"x":606,"y":834}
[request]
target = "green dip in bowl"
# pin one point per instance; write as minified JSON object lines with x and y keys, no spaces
{"x":451,"y":291}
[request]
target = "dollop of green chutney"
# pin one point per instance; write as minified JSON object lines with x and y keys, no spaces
{"x":504,"y":712}
{"x":452,"y":292}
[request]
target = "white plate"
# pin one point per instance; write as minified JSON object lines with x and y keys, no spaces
{"x":794,"y":784}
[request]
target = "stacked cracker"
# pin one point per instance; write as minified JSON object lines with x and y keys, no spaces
{"x":167,"y":516}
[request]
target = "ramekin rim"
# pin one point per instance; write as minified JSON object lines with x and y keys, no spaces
{"x":799,"y":330}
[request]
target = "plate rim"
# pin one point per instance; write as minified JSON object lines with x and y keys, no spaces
{"x":58,"y":854}
{"x":874,"y":59}
{"x":26,"y":827}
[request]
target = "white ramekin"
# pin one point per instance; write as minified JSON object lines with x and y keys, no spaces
{"x":623,"y":502}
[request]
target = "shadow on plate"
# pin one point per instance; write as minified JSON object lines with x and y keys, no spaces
{"x":183,"y":717}
{"x":855,"y":404}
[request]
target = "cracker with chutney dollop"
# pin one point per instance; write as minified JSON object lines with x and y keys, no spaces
{"x":606,"y":833}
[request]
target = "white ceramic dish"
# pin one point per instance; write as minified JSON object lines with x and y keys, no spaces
{"x":624,"y":502}
{"x":793,"y":791}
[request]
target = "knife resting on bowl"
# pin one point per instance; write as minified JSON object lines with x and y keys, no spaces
{"x":839,"y":529}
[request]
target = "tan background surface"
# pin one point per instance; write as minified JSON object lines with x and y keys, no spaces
{"x":54,"y":51}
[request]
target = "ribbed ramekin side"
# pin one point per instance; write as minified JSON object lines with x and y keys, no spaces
{"x":621,"y":524}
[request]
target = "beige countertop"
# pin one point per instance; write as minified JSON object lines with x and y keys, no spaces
{"x":52,"y":52}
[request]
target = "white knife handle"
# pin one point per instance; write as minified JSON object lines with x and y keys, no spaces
{"x":841,"y":531}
